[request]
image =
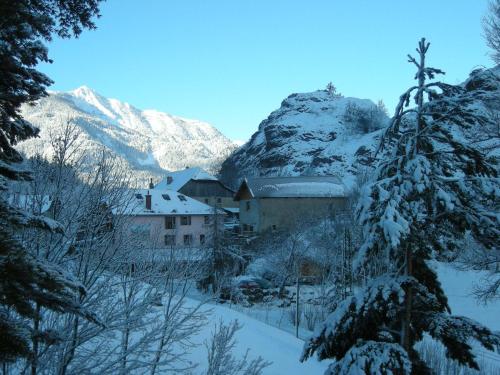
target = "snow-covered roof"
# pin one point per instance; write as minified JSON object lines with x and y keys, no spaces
{"x":166,"y":202}
{"x":180,"y":178}
{"x":37,"y":204}
{"x":234,"y":210}
{"x":294,"y":187}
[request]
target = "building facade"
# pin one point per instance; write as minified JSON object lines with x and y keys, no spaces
{"x":278,"y":203}
{"x":169,"y":219}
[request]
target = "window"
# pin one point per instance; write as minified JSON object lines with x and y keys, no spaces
{"x":188,"y":239}
{"x":274,"y":227}
{"x":206,"y":219}
{"x":247,"y":228}
{"x":219,"y":200}
{"x":206,"y":200}
{"x":169,"y":222}
{"x":139,"y":232}
{"x":247,"y":203}
{"x":202,"y":239}
{"x":170,"y":240}
{"x":185,"y":220}
{"x":166,"y":197}
{"x":182,"y":198}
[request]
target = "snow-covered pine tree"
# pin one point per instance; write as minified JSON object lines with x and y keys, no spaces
{"x":26,"y":280}
{"x":429,"y":190}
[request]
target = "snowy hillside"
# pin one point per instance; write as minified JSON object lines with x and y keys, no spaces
{"x":311,"y":133}
{"x":148,"y":141}
{"x":272,"y":344}
{"x":481,"y":93}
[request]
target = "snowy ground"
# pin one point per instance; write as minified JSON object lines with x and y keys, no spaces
{"x":260,"y":332}
{"x":458,"y":286}
{"x":271,"y":343}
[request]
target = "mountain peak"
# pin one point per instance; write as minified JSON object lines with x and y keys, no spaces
{"x":83,"y":90}
{"x":146,"y":141}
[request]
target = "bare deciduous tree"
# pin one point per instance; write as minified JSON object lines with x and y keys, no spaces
{"x":491,"y":26}
{"x":221,"y":359}
{"x":478,"y":258}
{"x":142,"y":300}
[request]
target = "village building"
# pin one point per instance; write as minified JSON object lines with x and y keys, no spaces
{"x":199,"y":185}
{"x":278,"y":203}
{"x":169,"y":219}
{"x":37,"y":204}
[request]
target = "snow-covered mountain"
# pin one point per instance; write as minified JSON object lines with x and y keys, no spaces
{"x":310,"y":134}
{"x":148,"y":141}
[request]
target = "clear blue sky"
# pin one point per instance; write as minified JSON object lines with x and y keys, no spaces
{"x":231,"y":62}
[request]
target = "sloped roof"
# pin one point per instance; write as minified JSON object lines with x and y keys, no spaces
{"x":166,"y":202}
{"x":294,"y":187}
{"x":181,"y":178}
{"x":37,"y":204}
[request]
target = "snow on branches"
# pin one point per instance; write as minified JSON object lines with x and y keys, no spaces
{"x":431,"y":188}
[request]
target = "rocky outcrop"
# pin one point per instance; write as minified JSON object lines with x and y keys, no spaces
{"x":313,"y":133}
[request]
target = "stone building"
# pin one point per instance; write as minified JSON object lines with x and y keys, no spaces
{"x":277,"y":203}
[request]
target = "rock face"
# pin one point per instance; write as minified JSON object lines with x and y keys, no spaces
{"x":481,"y":93}
{"x":149,"y":142}
{"x":313,"y":133}
{"x":322,"y":134}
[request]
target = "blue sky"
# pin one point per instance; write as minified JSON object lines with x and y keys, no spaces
{"x":231,"y":62}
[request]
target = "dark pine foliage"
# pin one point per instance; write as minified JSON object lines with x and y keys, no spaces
{"x":430,"y":190}
{"x":25,"y":281}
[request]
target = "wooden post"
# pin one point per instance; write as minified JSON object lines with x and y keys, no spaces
{"x":297,"y":314}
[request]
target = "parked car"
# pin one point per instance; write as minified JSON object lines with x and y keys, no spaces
{"x":251,"y":282}
{"x":245,"y":289}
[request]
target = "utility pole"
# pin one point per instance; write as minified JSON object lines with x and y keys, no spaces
{"x":297,"y":313}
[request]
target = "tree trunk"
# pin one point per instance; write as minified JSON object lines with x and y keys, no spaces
{"x":406,"y":321}
{"x":36,"y":327}
{"x":69,"y":355}
{"x":297,"y":312}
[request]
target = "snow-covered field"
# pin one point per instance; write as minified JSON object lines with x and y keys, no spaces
{"x":280,"y":346}
{"x":271,"y":343}
{"x":458,"y":286}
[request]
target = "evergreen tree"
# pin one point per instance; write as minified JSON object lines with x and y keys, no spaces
{"x":430,"y":189}
{"x":332,"y":90}
{"x":26,"y":281}
{"x":382,"y":107}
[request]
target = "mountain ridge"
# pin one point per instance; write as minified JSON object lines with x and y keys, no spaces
{"x":323,"y":133}
{"x":149,"y":141}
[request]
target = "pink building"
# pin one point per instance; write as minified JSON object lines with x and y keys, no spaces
{"x":167,"y":219}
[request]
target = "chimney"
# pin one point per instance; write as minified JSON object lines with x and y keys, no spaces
{"x":148,"y":201}
{"x":151,"y":186}
{"x":169,"y":180}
